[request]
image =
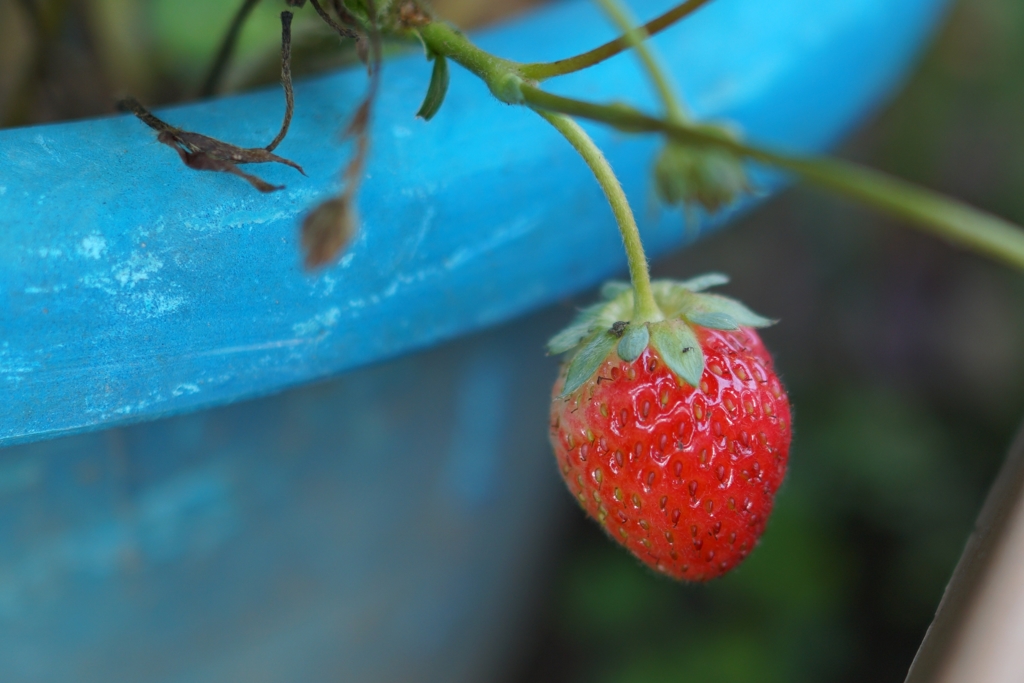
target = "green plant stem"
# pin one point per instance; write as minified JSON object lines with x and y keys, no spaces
{"x":542,"y":70}
{"x":502,"y":76}
{"x":941,"y":216}
{"x":644,"y":307}
{"x":637,"y":37}
{"x":505,"y":81}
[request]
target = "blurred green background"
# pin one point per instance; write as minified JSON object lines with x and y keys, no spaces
{"x":904,"y":357}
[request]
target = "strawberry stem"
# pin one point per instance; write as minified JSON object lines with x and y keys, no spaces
{"x":505,"y":79}
{"x":644,"y":307}
{"x":543,"y":70}
{"x":636,"y":37}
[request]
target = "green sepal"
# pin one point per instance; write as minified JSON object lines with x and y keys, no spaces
{"x":437,"y":89}
{"x":677,"y":344}
{"x":705,"y":281}
{"x":587,"y":320}
{"x":713,"y":319}
{"x":715,"y":303}
{"x":633,"y":342}
{"x":599,"y":316}
{"x":585,"y":363}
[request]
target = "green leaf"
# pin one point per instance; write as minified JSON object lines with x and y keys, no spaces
{"x":588,"y":360}
{"x":437,"y":89}
{"x":705,"y":281}
{"x":587,"y":320}
{"x":717,"y":304}
{"x":599,"y":316}
{"x":679,"y":348}
{"x":633,"y":342}
{"x":713,"y":319}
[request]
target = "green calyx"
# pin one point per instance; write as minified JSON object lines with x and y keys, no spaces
{"x":685,"y":305}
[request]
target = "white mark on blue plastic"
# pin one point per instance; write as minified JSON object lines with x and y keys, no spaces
{"x":421,"y":233}
{"x":161,"y":304}
{"x":253,"y":220}
{"x":3,"y":190}
{"x":138,"y":267}
{"x":150,"y":304}
{"x":400,"y":280}
{"x":49,"y":252}
{"x":44,"y":143}
{"x":400,"y":132}
{"x":185,"y":390}
{"x":329,"y":284}
{"x":45,"y":290}
{"x":251,"y":348}
{"x":421,"y":191}
{"x":395,"y":285}
{"x":501,"y":237}
{"x":92,"y":246}
{"x":100,"y":282}
{"x":319,"y":324}
{"x":134,"y":408}
{"x":12,"y":368}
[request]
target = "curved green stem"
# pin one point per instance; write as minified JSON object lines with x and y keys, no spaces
{"x":502,"y":76}
{"x":644,"y":307}
{"x":637,"y":37}
{"x":944,"y":217}
{"x":542,"y":70}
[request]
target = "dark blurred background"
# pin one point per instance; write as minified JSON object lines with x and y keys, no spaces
{"x":904,"y":357}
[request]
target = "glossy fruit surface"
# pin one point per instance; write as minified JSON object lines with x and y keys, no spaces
{"x":683,"y":476}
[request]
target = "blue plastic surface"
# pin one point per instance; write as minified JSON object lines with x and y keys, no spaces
{"x":132,"y":288}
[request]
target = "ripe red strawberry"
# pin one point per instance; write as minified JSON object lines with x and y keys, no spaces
{"x":673,"y":434}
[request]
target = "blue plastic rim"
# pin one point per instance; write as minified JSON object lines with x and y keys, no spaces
{"x":133,"y":288}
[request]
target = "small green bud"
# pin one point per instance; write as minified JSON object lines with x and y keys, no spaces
{"x":705,"y":175}
{"x":508,"y":88}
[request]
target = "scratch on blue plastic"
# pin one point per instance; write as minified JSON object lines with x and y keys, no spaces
{"x":134,"y":288}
